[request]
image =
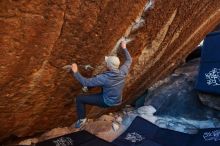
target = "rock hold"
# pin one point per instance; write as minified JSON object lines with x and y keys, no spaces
{"x":98,"y":126}
{"x":115,"y":126}
{"x":210,"y":100}
{"x":119,"y":119}
{"x":146,"y":110}
{"x":107,"y":118}
{"x":28,"y":141}
{"x":56,"y":132}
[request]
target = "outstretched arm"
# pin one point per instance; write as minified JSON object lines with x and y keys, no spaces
{"x":128,"y":60}
{"x":88,"y":82}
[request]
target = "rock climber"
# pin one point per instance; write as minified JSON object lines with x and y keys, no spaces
{"x":112,"y":82}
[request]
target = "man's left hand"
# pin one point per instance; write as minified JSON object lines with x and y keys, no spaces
{"x":74,"y":67}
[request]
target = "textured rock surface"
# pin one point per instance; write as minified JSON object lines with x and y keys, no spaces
{"x":41,"y":36}
{"x":177,"y":104}
{"x":172,"y":103}
{"x":212,"y":101}
{"x":101,"y":127}
{"x":175,"y":96}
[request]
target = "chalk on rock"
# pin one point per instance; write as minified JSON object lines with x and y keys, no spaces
{"x":119,"y":119}
{"x":127,"y":109}
{"x":150,"y":118}
{"x":107,"y":118}
{"x":110,"y":114}
{"x":127,"y":105}
{"x":146,"y":110}
{"x":115,"y":126}
{"x":90,"y":120}
{"x":149,"y":5}
{"x":67,"y":68}
{"x":85,"y":89}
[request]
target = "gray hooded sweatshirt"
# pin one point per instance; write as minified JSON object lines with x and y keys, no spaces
{"x":112,"y":82}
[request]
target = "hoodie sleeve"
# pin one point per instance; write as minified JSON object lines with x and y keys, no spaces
{"x":128,"y":60}
{"x":98,"y":80}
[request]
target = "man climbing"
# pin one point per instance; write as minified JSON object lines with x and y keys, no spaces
{"x":112,"y":82}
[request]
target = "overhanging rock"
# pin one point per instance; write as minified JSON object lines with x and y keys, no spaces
{"x":39,"y":37}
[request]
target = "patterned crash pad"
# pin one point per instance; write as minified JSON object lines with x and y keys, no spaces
{"x":209,"y":72}
{"x":80,"y":138}
{"x":143,"y":133}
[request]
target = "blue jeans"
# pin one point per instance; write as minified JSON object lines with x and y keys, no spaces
{"x":93,"y":99}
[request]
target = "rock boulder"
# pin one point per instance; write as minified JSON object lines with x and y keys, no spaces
{"x":39,"y":37}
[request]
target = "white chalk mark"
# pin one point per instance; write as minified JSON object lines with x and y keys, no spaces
{"x":63,"y":141}
{"x":134,"y":137}
{"x":213,"y":77}
{"x":212,"y":135}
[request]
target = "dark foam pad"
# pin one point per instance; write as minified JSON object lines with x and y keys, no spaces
{"x":209,"y":72}
{"x":80,"y":138}
{"x":207,"y":137}
{"x":143,"y":133}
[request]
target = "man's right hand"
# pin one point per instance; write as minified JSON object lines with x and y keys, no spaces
{"x":123,"y":44}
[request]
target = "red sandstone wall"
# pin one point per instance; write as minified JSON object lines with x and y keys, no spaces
{"x":39,"y":37}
